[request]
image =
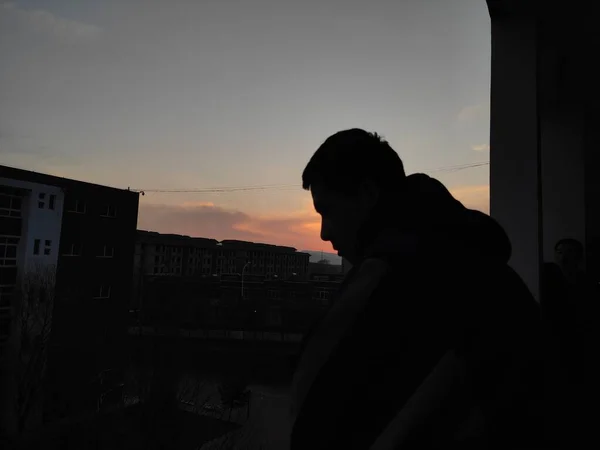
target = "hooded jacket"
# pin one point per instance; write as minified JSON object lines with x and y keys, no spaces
{"x":433,"y":278}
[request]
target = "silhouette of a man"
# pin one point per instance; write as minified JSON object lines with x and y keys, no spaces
{"x":433,"y":341}
{"x":569,"y":302}
{"x":568,"y":254}
{"x":582,"y":296}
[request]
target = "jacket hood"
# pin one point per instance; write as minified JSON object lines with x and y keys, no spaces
{"x":429,"y":217}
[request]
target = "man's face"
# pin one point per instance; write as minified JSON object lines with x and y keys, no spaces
{"x":342,"y":216}
{"x":567,"y":256}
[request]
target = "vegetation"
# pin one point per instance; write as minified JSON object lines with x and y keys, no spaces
{"x":34,"y":307}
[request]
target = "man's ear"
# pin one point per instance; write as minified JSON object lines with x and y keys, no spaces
{"x":370,"y":193}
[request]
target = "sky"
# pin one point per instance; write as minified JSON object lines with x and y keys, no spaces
{"x":201,"y":94}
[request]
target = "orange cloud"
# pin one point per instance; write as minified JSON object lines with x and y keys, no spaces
{"x":299,"y":230}
{"x":197,"y":204}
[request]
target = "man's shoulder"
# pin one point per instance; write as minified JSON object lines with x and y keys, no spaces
{"x":479,"y":289}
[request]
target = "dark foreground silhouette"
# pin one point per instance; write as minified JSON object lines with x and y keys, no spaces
{"x":435,"y":341}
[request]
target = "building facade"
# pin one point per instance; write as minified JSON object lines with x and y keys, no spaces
{"x":159,"y":254}
{"x":227,"y":302}
{"x":86,"y":234}
{"x":272,"y":261}
{"x":30,"y":231}
{"x":170,"y":254}
{"x":199,"y":283}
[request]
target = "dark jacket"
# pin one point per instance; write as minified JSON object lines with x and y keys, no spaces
{"x":448,"y":286}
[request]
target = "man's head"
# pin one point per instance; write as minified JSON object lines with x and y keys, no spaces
{"x":569,"y":254}
{"x":350,"y":176}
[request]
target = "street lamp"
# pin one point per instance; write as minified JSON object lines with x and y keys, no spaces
{"x":243,"y":271}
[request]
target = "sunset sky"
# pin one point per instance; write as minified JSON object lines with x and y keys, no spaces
{"x":194,"y":94}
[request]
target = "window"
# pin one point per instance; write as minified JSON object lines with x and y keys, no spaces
{"x":72,"y":250}
{"x":77,"y":207}
{"x":275,"y":318}
{"x":5,"y":321}
{"x":322,"y":297}
{"x":8,"y":251}
{"x":273,"y":294}
{"x":36,"y":247}
{"x":103,"y":291}
{"x":47,"y":247}
{"x":10,"y":204}
{"x":106,"y":252}
{"x":6,"y":294}
{"x":52,"y":202}
{"x":109,"y":211}
{"x":41,"y":200}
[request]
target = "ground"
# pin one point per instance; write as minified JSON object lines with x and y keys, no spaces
{"x":268,"y":427}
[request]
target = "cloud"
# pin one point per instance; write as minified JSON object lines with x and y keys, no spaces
{"x":299,"y":230}
{"x":43,"y":22}
{"x":481,"y":147}
{"x":474,"y":113}
{"x":474,"y":197}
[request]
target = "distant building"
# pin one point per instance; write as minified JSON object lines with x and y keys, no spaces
{"x":81,"y":236}
{"x":171,"y":254}
{"x":159,"y":254}
{"x":273,"y":261}
{"x":234,"y":275}
{"x":228,"y":303}
{"x":324,"y":267}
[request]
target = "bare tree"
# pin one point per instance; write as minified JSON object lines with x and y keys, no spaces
{"x":34,"y":307}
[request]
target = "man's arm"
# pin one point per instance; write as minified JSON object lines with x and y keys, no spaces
{"x":446,"y":381}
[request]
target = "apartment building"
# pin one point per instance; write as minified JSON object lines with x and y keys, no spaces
{"x":216,"y":284}
{"x":159,"y":254}
{"x":272,"y":261}
{"x":171,"y":254}
{"x":228,"y":303}
{"x":82,"y":235}
{"x":30,"y":230}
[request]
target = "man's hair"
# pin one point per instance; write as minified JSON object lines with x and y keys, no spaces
{"x":351,"y":157}
{"x":577,"y":246}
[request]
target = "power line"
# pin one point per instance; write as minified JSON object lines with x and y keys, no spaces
{"x":222,"y":189}
{"x":285,"y":187}
{"x":460,"y":167}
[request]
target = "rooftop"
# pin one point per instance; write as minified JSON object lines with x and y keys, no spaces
{"x":52,"y":180}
